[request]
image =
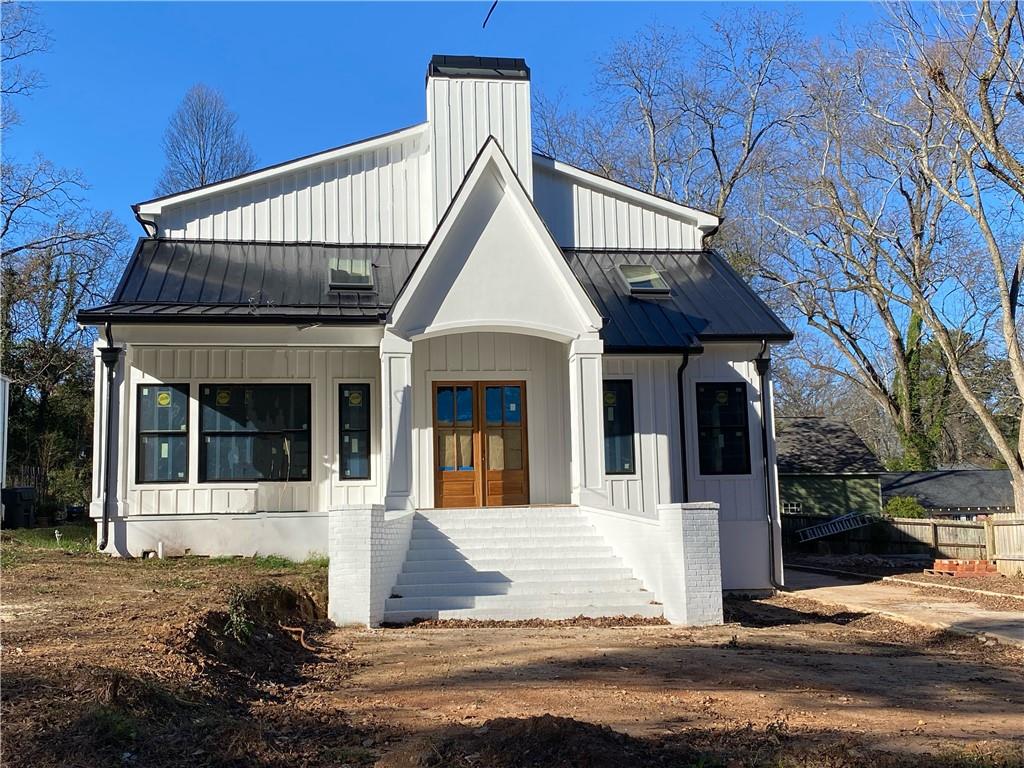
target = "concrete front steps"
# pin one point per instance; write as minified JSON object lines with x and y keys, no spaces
{"x":509,"y":563}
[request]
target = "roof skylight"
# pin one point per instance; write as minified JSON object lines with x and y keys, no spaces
{"x":351,"y":271}
{"x":643,"y":279}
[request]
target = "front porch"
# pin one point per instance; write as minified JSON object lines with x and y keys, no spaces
{"x":511,"y":563}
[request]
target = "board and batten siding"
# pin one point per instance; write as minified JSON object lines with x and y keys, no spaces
{"x":541,"y":363}
{"x":323,"y":368}
{"x":378,"y":196}
{"x":658,"y":478}
{"x":462,"y":113}
{"x":581,"y":216}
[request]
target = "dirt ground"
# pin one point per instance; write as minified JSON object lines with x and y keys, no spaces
{"x":185,"y":662}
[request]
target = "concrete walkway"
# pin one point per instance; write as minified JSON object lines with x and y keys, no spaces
{"x":906,"y":604}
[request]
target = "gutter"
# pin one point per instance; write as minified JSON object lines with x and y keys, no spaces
{"x":149,"y":227}
{"x":111,"y":357}
{"x":763,"y":365}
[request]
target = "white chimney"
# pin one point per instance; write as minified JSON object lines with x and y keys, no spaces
{"x":470,"y":98}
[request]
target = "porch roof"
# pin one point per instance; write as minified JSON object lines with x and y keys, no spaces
{"x":204,"y":281}
{"x":229,"y":281}
{"x":707,"y":301}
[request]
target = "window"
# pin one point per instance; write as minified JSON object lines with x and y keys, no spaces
{"x":254,"y":432}
{"x":792,"y":507}
{"x":354,"y":430}
{"x":351,"y":270}
{"x":643,"y":278}
{"x":722,"y":432}
{"x":162,"y":455}
{"x":618,"y":427}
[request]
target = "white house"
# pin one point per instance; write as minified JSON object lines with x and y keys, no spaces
{"x":485,"y":382}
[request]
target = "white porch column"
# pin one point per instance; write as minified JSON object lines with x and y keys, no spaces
{"x":396,"y":420}
{"x":586,"y":430}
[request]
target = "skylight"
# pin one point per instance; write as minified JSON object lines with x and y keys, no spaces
{"x":351,"y":271}
{"x":643,"y":279}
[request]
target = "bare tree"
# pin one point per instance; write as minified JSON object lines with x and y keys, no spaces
{"x":689,"y":121}
{"x":963,"y":68}
{"x":57,"y":254}
{"x":861,"y":231}
{"x":21,"y":36}
{"x":203,"y":143}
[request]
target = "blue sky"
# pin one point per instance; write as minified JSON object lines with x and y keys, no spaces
{"x":302,"y":76}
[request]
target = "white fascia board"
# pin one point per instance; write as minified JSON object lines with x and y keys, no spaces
{"x":155,"y":206}
{"x":492,"y":156}
{"x":703,"y":220}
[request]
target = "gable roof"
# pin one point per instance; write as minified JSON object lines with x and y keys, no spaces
{"x":199,"y":281}
{"x":155,"y":205}
{"x":703,"y":220}
{"x":816,"y":445}
{"x":492,"y":159}
{"x":952,"y":488}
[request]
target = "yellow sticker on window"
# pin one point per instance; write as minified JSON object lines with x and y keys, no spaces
{"x":609,"y":398}
{"x":223,"y":396}
{"x":722,"y":398}
{"x":163,"y":399}
{"x":355,"y":399}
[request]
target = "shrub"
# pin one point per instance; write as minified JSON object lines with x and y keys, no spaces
{"x":904,"y":506}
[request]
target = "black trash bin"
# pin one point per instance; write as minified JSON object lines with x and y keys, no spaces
{"x":19,"y":507}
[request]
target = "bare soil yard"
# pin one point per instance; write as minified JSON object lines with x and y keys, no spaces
{"x":186,"y":662}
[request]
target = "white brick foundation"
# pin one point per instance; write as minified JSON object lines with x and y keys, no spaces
{"x":367,"y":549}
{"x":677,"y":556}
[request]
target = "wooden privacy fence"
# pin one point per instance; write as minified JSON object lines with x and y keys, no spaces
{"x":999,"y":538}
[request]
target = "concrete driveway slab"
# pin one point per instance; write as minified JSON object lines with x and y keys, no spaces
{"x":909,"y":605}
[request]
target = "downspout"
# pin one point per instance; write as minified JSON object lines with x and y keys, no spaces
{"x":682,"y":425}
{"x":763,"y":365}
{"x":111,"y":356}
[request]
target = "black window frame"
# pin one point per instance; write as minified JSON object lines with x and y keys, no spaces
{"x":631,"y":411}
{"x":140,"y":432}
{"x":747,"y":468}
{"x":342,"y":431}
{"x":203,"y":433}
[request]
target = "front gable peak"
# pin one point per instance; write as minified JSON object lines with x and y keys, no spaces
{"x":492,"y":264}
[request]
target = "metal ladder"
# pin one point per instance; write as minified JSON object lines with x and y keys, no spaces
{"x":835,"y":525}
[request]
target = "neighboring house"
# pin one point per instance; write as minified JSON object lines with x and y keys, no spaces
{"x":481,"y":379}
{"x":825,"y":468}
{"x":959,"y":493}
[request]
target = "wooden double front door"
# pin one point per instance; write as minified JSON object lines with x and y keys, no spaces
{"x":480,"y":456}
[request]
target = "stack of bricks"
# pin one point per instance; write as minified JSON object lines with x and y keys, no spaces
{"x":963,"y":568}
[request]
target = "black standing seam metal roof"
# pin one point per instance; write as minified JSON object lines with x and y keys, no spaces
{"x":233,"y":281}
{"x":707,"y":301}
{"x":186,"y":280}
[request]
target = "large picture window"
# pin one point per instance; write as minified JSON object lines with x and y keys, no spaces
{"x":254,"y":432}
{"x":723,"y":436}
{"x":619,"y":448}
{"x":162,"y":451}
{"x":354,"y":431}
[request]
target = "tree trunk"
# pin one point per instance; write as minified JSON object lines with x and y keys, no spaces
{"x":1017,"y":480}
